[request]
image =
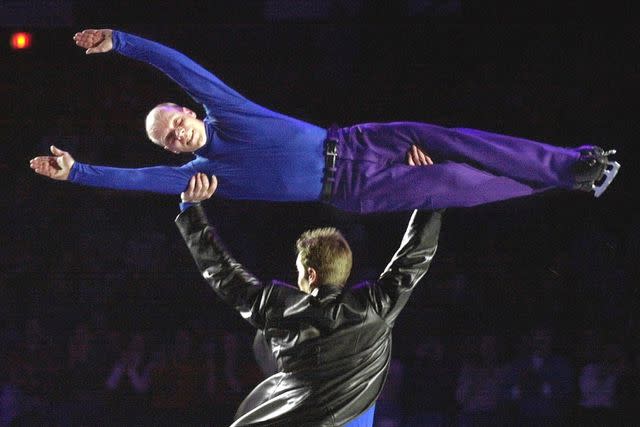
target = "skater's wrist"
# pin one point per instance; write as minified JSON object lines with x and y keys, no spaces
{"x":186,"y":205}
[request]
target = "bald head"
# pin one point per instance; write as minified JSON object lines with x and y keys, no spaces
{"x":175,"y":128}
{"x":156,"y":121}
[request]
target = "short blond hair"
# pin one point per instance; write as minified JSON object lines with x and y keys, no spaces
{"x":327,"y":251}
{"x":154,"y":119}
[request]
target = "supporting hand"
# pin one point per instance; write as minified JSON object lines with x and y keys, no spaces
{"x":57,"y":166}
{"x":95,"y":41}
{"x":199,"y":188}
{"x":417,"y":157}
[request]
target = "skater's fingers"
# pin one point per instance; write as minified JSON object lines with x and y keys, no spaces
{"x":41,"y":168}
{"x":198,"y":185}
{"x":87,"y":38}
{"x":419,"y":157}
{"x":187,"y":195}
{"x":38,"y":161}
{"x":213,"y":185}
{"x":413,"y":159}
{"x":48,"y":166}
{"x":94,"y":41}
{"x":203,"y":184}
{"x":56,"y":151}
{"x":209,"y":186}
{"x":199,"y":188}
{"x":42,"y":162}
{"x":89,"y":34}
{"x":424,"y":159}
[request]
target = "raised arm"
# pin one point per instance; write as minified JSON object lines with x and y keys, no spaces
{"x":158,"y":179}
{"x":202,"y":85}
{"x":231,"y":282}
{"x":409,"y":264}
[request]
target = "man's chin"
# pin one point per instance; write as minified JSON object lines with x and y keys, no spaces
{"x":198,"y":142}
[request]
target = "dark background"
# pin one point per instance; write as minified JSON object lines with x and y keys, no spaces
{"x":567,"y":75}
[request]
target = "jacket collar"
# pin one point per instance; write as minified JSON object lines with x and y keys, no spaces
{"x":328,"y":291}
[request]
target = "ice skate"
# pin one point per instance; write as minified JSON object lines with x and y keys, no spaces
{"x":594,"y":171}
{"x":610,"y":172}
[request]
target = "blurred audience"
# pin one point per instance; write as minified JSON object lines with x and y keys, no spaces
{"x":127,"y":383}
{"x":480,"y":385}
{"x":177,"y":382}
{"x":540,"y":383}
{"x":83,"y":379}
{"x":429,"y":384}
{"x":599,"y":385}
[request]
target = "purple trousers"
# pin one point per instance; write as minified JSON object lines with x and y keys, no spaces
{"x":471,"y":167}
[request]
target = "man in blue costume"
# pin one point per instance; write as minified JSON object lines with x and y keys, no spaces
{"x":257,"y":154}
{"x":331,"y":343}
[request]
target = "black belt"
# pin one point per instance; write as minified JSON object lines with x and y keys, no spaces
{"x":330,"y":157}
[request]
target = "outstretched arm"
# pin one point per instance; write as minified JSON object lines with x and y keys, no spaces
{"x":201,"y":84}
{"x":231,"y":282}
{"x":409,"y":264}
{"x":158,"y":179}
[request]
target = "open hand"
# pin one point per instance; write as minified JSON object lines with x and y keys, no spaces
{"x":95,"y":41}
{"x":200,"y":188}
{"x":57,"y":166}
{"x":417,"y":157}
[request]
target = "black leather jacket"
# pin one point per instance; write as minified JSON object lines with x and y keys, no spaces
{"x":333,"y":349}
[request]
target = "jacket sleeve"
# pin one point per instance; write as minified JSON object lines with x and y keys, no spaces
{"x":231,"y":282}
{"x":408,"y":265}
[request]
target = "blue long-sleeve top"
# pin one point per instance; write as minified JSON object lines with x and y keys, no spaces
{"x":255,"y":153}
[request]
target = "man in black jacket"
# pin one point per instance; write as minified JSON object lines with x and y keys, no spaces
{"x":332,"y":343}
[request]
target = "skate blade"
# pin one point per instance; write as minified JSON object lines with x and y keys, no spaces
{"x":610,"y":172}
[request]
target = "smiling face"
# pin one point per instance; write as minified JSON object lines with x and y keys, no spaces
{"x":175,"y":128}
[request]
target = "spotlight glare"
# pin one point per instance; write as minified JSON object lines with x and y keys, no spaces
{"x":20,"y":41}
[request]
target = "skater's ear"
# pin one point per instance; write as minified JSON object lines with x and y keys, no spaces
{"x":188,"y":112}
{"x":312,"y":277}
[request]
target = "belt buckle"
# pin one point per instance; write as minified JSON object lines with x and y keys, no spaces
{"x":330,"y":156}
{"x":331,"y":151}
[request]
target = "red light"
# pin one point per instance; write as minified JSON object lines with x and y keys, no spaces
{"x":20,"y":41}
